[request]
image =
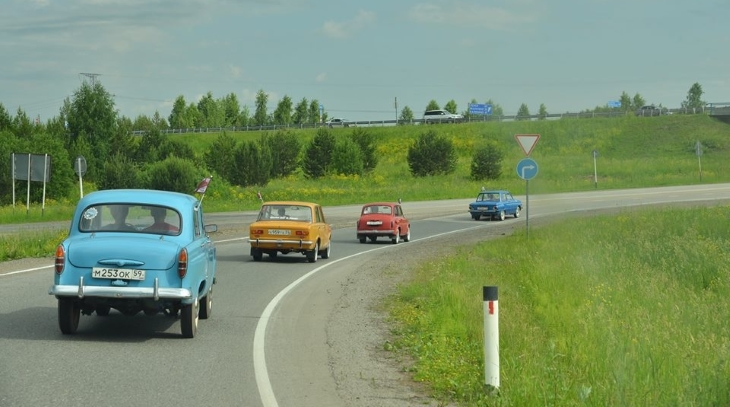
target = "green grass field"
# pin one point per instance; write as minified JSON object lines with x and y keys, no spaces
{"x":621,"y":310}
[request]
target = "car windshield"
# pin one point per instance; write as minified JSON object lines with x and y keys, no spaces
{"x":382,"y":209}
{"x":134,"y":218}
{"x":286,"y":212}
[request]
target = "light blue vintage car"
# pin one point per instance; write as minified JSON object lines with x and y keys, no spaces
{"x":136,"y":250}
{"x":495,"y":204}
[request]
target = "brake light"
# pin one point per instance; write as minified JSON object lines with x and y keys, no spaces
{"x":182,"y":263}
{"x":302,"y":232}
{"x":257,"y":232}
{"x":60,"y":259}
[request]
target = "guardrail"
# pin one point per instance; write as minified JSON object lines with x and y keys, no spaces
{"x":467,"y":119}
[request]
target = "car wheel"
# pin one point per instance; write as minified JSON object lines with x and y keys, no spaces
{"x":273,"y":254}
{"x":362,"y":239}
{"x":373,"y":238}
{"x":476,"y":217}
{"x":326,"y":252}
{"x":517,"y":212}
{"x":69,"y":313}
{"x":206,"y":306}
{"x":407,"y":238}
{"x":103,"y":310}
{"x":189,"y":319}
{"x":312,"y":254}
{"x":396,"y":237}
{"x":501,"y":215}
{"x":257,"y":254}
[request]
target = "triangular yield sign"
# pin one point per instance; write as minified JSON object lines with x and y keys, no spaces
{"x":527,"y":142}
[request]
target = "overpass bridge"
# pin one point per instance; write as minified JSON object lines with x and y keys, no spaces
{"x":720,"y":111}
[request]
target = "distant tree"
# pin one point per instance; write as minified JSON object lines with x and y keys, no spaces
{"x":244,"y":118}
{"x":694,"y":98}
{"x":523,"y":113}
{"x":143,"y":123}
{"x":212,"y":111}
{"x":432,"y":105}
{"x":300,"y":112}
{"x":283,"y":111}
{"x":92,"y":115}
{"x":5,"y":119}
{"x":638,"y":101}
{"x":487,"y":162}
{"x":406,"y":115}
{"x":178,"y":118}
{"x":252,"y":164}
{"x":431,"y":154}
{"x":543,"y":111}
{"x":159,"y":122}
{"x":193,"y":117}
{"x":496,"y":108}
{"x":317,"y":158}
{"x":231,"y":110}
{"x":368,"y":149}
{"x":450,"y":106}
{"x":21,"y":125}
{"x":313,"y":112}
{"x":260,"y":116}
{"x":347,"y":158}
{"x":626,"y":102}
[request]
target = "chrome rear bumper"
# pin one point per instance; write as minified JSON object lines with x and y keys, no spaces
{"x":155,"y":292}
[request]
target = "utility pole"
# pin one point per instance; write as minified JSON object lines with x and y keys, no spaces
{"x":91,"y":76}
{"x":396,"y":110}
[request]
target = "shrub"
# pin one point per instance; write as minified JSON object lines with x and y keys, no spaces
{"x":220,"y":156}
{"x":285,"y":149}
{"x":252,"y":164}
{"x":173,"y":174}
{"x":347,"y":158}
{"x":431,"y":155}
{"x":318,"y":155}
{"x":487,"y":162}
{"x":366,"y":142}
{"x":119,"y":172}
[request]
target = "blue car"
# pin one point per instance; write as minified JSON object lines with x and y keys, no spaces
{"x":133,"y":251}
{"x":495,"y":204}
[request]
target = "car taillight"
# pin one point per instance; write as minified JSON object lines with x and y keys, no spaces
{"x":257,"y":232}
{"x":182,"y":263}
{"x":60,"y":259}
{"x":302,"y":232}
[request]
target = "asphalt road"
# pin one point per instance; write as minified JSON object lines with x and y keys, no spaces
{"x":270,"y":340}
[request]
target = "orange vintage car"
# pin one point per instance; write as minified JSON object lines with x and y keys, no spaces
{"x":383,"y":219}
{"x":290,"y":227}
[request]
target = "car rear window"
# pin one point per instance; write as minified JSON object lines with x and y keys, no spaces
{"x":135,"y":218}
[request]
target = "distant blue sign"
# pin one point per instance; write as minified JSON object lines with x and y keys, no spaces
{"x":480,"y":108}
{"x":614,"y":103}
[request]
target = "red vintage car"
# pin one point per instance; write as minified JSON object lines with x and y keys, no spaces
{"x":383,"y":219}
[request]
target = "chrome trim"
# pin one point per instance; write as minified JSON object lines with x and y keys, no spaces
{"x":155,"y":292}
{"x":279,"y":241}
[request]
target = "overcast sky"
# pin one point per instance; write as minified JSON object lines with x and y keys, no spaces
{"x":356,"y":58}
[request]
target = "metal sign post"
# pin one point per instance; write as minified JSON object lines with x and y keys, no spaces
{"x":527,"y":169}
{"x":595,"y":169}
{"x":698,"y":150}
{"x":80,"y":169}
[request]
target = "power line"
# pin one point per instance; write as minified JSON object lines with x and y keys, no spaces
{"x":92,"y":76}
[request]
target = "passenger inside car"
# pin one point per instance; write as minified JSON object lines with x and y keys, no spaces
{"x":160,"y":226}
{"x":119,"y":213}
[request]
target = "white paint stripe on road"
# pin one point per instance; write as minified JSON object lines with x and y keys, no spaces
{"x":268,"y":399}
{"x":25,"y":271}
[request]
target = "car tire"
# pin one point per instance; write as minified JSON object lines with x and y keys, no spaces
{"x":206,"y":305}
{"x":313,"y":254}
{"x":407,"y":238}
{"x":362,"y":239}
{"x":257,"y":254}
{"x":517,"y":212}
{"x":103,"y":310}
{"x":189,"y":315}
{"x":273,"y":255}
{"x":396,"y":237}
{"x":326,"y":252}
{"x":373,"y":238}
{"x":69,"y":313}
{"x":502,"y":215}
{"x":476,"y":217}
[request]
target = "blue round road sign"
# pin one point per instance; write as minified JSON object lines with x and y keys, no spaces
{"x":527,"y":168}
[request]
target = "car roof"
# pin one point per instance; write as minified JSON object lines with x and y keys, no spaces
{"x":493,"y":191}
{"x":380,"y":204}
{"x":139,"y":196}
{"x":290,"y":203}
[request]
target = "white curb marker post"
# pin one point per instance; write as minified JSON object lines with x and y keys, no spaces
{"x":491,"y":338}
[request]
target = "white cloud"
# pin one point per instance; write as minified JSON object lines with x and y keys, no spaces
{"x":462,"y":13}
{"x":345,"y":29}
{"x":235,"y":71}
{"x":321,"y":77}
